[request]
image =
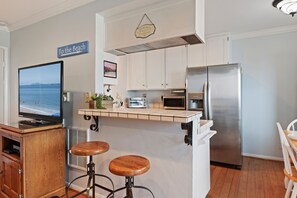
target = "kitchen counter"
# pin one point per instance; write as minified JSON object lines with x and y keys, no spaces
{"x":160,"y":135}
{"x":144,"y":114}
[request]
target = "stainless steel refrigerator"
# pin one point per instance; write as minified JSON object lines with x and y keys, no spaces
{"x":216,"y":91}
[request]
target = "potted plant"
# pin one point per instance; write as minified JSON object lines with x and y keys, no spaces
{"x":103,"y":101}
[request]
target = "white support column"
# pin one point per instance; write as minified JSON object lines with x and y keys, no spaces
{"x":195,"y":171}
{"x":4,"y":95}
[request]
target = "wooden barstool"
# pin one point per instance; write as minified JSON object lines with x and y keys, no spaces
{"x":89,"y":149}
{"x":129,"y":166}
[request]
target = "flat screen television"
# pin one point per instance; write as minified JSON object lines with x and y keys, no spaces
{"x":40,"y":92}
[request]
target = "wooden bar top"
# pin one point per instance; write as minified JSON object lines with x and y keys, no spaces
{"x":22,"y":128}
{"x":181,"y":116}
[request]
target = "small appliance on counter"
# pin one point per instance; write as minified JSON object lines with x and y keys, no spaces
{"x":137,"y":102}
{"x":176,"y":100}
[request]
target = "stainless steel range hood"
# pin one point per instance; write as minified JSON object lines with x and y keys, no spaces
{"x":171,"y":42}
{"x":178,"y":22}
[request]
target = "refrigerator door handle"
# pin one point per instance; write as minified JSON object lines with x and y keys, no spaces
{"x":205,"y":101}
{"x":209,"y":101}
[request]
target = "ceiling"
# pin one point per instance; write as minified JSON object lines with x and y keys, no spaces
{"x":16,"y":14}
{"x":234,"y":16}
{"x":238,"y":16}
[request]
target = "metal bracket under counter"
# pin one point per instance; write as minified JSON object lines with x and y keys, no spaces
{"x":189,"y":127}
{"x":93,"y":127}
{"x":186,"y":118}
{"x":185,"y":126}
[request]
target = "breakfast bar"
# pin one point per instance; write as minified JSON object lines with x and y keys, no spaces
{"x":177,"y":169}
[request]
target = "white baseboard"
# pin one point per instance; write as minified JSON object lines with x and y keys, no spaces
{"x":263,"y":157}
{"x":78,"y":188}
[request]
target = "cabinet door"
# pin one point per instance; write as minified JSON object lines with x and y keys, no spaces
{"x":196,"y":55}
{"x":11,"y":178}
{"x":176,"y":67}
{"x":136,"y":79}
{"x":155,"y":67}
{"x":217,"y":50}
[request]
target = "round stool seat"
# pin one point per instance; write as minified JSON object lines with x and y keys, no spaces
{"x":89,"y":148}
{"x":129,"y":165}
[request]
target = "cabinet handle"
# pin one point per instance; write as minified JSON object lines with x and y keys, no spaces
{"x":166,"y":83}
{"x":1,"y":172}
{"x":162,"y":84}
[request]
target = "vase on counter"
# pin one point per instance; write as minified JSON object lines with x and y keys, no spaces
{"x":102,"y":101}
{"x":92,"y":104}
{"x":104,"y":104}
{"x":99,"y":104}
{"x":108,"y":104}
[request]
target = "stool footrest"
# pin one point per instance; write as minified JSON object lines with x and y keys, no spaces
{"x":104,"y":188}
{"x":91,"y":182}
{"x":128,"y":186}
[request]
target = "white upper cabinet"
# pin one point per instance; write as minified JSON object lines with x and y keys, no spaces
{"x":176,"y":65}
{"x":136,"y":72}
{"x":215,"y":51}
{"x":155,"y":68}
{"x":196,"y":55}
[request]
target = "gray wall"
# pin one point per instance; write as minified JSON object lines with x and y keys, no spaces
{"x":269,"y":89}
{"x":38,"y":43}
{"x":4,"y":39}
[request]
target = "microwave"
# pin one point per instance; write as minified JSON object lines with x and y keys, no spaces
{"x":174,"y":102}
{"x":139,"y":102}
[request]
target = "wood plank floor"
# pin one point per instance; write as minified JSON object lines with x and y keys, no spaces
{"x":73,"y":192}
{"x":257,"y":179}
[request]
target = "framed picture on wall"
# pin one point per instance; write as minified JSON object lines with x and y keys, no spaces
{"x":110,"y":69}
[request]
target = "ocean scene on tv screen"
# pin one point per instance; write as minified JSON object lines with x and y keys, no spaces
{"x":40,"y":90}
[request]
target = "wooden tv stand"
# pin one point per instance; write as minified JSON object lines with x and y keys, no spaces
{"x":38,"y":169}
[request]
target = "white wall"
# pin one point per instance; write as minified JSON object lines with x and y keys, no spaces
{"x":38,"y":43}
{"x":269,"y":89}
{"x":4,"y":45}
{"x":4,"y":38}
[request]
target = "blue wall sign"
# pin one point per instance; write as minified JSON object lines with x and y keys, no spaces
{"x":73,"y":49}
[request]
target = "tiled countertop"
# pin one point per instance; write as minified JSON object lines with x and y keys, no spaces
{"x":144,"y":114}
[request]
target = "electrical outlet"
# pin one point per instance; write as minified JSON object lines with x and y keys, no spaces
{"x":66,"y":96}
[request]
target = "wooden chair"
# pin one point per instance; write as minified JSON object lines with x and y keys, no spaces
{"x":289,"y":171}
{"x":291,"y":126}
{"x":129,"y":166}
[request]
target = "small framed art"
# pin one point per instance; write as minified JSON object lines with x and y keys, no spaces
{"x":110,"y":69}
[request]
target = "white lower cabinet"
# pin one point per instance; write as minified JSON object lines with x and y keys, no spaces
{"x":203,"y":165}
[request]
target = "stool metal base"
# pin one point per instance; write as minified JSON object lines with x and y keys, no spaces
{"x":128,"y":186}
{"x":91,"y":182}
